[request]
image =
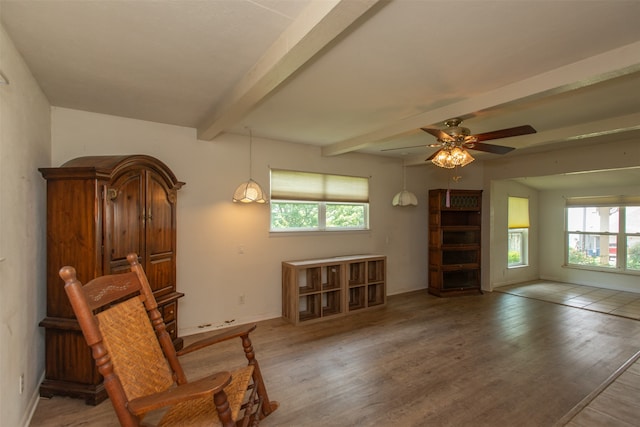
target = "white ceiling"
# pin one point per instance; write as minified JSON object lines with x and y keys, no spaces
{"x":593,"y":179}
{"x":349,"y":75}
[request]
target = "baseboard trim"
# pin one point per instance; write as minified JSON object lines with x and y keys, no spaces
{"x":33,"y":404}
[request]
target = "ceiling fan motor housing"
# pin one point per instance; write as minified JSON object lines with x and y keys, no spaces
{"x":459,"y":134}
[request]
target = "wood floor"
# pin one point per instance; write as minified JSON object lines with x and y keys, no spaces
{"x":488,"y":360}
{"x":618,"y":303}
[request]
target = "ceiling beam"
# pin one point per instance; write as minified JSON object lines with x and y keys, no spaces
{"x":608,"y":65}
{"x":584,"y":131}
{"x":320,"y":23}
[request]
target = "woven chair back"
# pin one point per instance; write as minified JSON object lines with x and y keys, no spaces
{"x":136,"y":355}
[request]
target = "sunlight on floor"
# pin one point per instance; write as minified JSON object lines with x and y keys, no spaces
{"x":617,"y":303}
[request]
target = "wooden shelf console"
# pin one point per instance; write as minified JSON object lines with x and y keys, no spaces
{"x":317,"y":289}
{"x":454,"y":242}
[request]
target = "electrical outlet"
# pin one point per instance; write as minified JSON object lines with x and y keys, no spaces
{"x":241,"y":299}
{"x":21,"y":389}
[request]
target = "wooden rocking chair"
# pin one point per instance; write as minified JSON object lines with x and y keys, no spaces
{"x":134,"y":353}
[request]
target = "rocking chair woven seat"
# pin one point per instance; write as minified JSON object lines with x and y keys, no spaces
{"x":134,"y":353}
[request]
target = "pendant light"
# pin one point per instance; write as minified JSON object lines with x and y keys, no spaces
{"x":249,"y":191}
{"x":404,"y":198}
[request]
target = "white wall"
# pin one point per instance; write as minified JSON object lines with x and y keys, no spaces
{"x":24,"y":146}
{"x":549,"y":214}
{"x":211,"y":271}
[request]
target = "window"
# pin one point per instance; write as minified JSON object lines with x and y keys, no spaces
{"x":604,"y":233}
{"x":518,"y":253}
{"x":305,"y":201}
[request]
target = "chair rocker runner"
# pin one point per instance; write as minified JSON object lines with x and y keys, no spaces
{"x":121,"y":323}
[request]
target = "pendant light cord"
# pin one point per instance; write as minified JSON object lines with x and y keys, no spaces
{"x":250,"y":152}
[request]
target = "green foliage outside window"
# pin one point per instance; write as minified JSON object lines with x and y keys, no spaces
{"x":346,"y":216}
{"x":294,"y":215}
{"x":514,"y":257}
{"x":633,"y":257}
{"x":581,"y":258}
{"x":308,"y":216}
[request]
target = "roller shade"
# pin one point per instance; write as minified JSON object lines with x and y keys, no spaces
{"x":308,"y":186}
{"x":518,"y":212}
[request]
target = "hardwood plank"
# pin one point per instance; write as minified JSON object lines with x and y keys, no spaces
{"x":591,"y":418}
{"x":485,"y":360}
{"x":617,"y":405}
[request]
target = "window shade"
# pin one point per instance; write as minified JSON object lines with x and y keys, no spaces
{"x":518,"y":212}
{"x":604,"y":201}
{"x":308,"y":186}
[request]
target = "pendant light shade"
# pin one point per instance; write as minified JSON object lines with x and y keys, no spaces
{"x":404,"y":198}
{"x":249,"y":191}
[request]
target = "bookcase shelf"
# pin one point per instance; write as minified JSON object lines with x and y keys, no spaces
{"x":454,"y":241}
{"x":317,"y":289}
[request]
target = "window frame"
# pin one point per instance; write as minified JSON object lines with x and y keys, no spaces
{"x":321,"y":197}
{"x":621,"y":235}
{"x":524,"y":247}
{"x":518,"y":224}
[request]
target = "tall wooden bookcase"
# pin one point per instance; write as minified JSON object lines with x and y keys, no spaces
{"x":319,"y":289}
{"x":99,"y":209}
{"x":454,"y":241}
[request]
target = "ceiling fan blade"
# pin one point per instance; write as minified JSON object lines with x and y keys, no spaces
{"x":491,"y":148}
{"x":402,"y":148}
{"x":431,"y":156}
{"x":505,"y":133}
{"x":437,"y":133}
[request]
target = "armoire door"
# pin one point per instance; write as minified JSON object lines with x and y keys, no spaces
{"x":160,"y":252}
{"x":124,"y":220}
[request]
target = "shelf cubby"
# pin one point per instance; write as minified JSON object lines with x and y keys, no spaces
{"x":357,"y":273}
{"x":309,"y":307}
{"x":375,"y":271}
{"x":375,"y":294}
{"x":357,"y":298}
{"x":331,"y":276}
{"x":309,"y":280}
{"x":331,"y":303}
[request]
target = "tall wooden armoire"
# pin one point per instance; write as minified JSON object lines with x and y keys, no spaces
{"x":99,"y":209}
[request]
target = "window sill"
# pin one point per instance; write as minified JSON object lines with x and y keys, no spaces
{"x":602,"y":269}
{"x":316,"y":232}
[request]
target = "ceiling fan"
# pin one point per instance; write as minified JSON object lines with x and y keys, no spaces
{"x":454,"y":135}
{"x":454,"y":140}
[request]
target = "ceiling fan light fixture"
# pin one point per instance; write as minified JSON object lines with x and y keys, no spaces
{"x":449,"y":158}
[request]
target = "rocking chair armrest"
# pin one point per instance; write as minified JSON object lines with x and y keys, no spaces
{"x":225,"y":335}
{"x":192,"y":390}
